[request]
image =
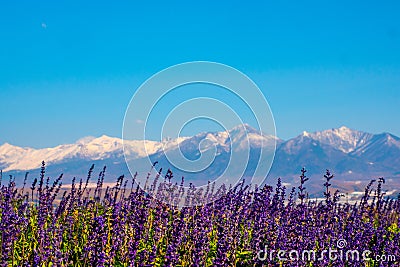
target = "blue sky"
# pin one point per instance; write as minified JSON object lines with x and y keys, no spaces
{"x":69,"y":69}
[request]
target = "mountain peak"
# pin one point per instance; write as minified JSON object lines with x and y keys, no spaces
{"x":389,"y":138}
{"x":342,"y":138}
{"x":89,"y":139}
{"x":8,"y":146}
{"x":105,"y":138}
{"x":244,"y":128}
{"x":85,"y":140}
{"x":343,"y":129}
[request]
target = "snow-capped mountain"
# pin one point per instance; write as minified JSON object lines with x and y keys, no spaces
{"x":16,"y":158}
{"x":381,"y":148}
{"x":350,"y":154}
{"x":105,"y":147}
{"x":243,"y":140}
{"x":343,"y":138}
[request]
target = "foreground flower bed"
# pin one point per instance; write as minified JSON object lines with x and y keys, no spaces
{"x":122,"y":226}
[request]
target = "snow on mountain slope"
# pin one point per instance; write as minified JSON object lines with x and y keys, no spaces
{"x":304,"y":151}
{"x":346,"y":151}
{"x":343,"y":138}
{"x":10,"y":154}
{"x":105,"y":147}
{"x":16,"y":158}
{"x":382,"y":148}
{"x":247,"y":135}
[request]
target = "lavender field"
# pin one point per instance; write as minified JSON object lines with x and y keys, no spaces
{"x":246,"y":226}
{"x":199,"y":133}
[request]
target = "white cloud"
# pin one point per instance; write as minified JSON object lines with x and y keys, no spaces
{"x":139,"y":121}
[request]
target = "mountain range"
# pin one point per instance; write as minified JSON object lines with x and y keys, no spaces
{"x":353,"y":156}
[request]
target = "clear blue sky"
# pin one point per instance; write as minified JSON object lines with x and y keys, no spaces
{"x":69,"y":68}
